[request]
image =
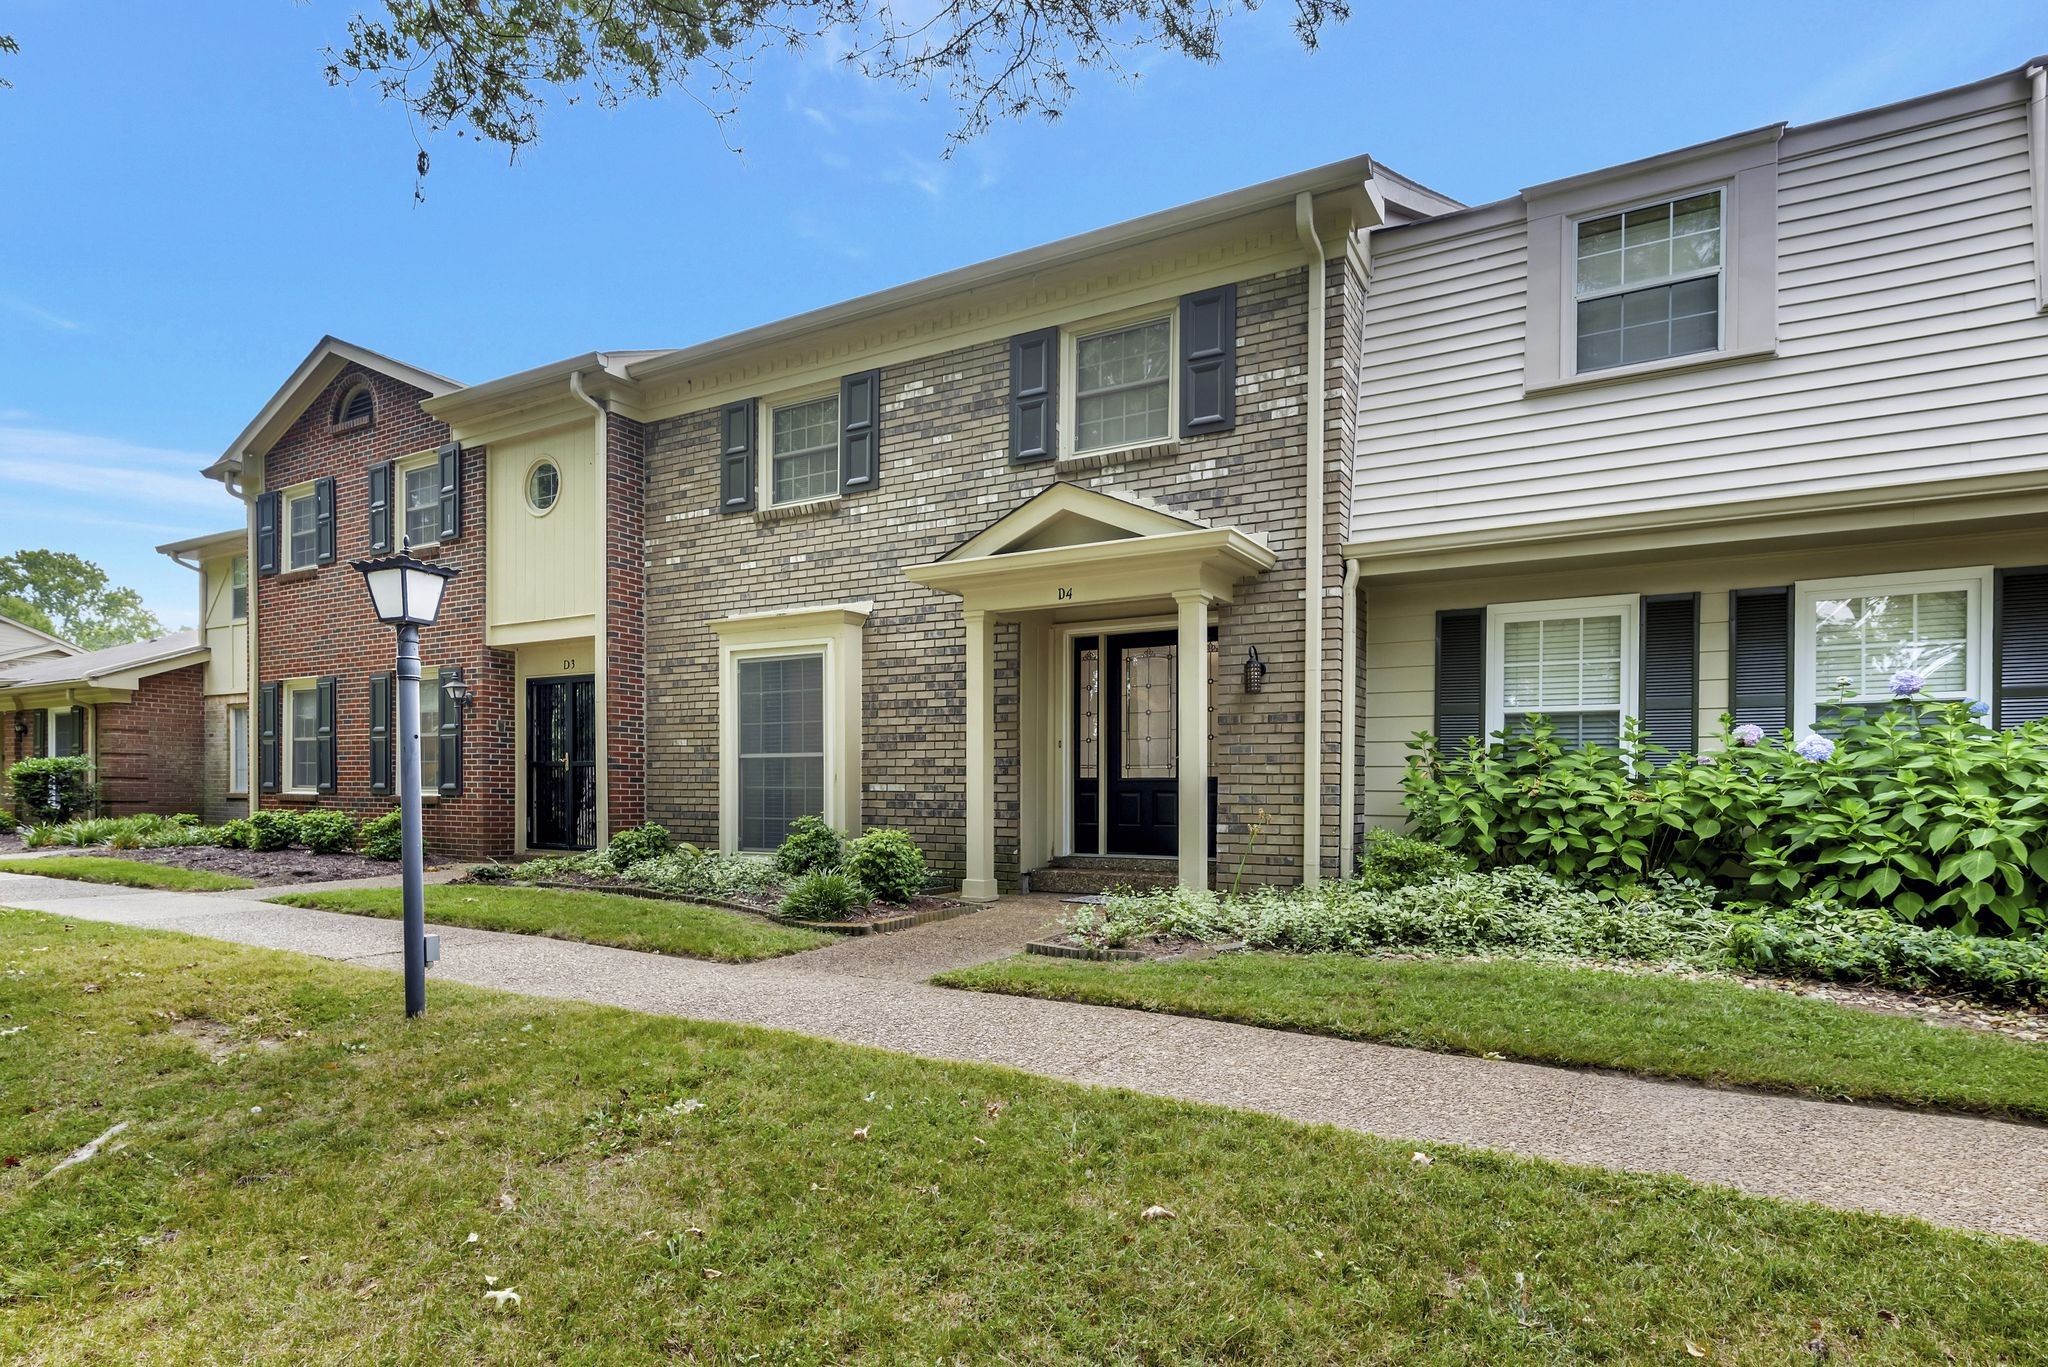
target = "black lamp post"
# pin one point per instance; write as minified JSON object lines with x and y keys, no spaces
{"x":406,"y":593}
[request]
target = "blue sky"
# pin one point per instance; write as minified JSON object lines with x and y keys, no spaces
{"x":186,"y":206}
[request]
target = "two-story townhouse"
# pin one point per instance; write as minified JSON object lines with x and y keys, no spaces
{"x":1036,"y":560}
{"x":1744,"y":429}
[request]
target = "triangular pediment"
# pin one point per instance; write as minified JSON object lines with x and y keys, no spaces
{"x":1069,"y":515}
{"x":328,"y":358}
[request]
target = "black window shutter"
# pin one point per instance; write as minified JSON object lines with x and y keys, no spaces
{"x":267,"y":702}
{"x":1460,"y":678}
{"x":1670,"y":646}
{"x":323,"y":518}
{"x":266,"y":533}
{"x":328,"y":688}
{"x":2019,"y":647}
{"x":736,"y":457}
{"x":380,"y":506}
{"x":860,"y":431}
{"x":380,"y":733}
{"x":1760,"y":658}
{"x":451,"y":491}
{"x":39,"y":733}
{"x":451,"y":736}
{"x":1208,"y":361}
{"x":1034,"y":396}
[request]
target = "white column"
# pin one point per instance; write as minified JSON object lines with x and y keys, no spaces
{"x":1192,"y":677}
{"x":980,"y":884}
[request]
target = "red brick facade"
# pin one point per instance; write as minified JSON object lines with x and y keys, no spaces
{"x":316,"y":622}
{"x":152,"y":749}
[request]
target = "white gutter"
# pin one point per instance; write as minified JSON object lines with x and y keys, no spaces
{"x":600,"y":643}
{"x":1347,"y":692}
{"x":2037,"y":148}
{"x":1315,"y":405}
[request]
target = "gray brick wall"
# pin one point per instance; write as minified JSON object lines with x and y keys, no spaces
{"x":945,"y":476}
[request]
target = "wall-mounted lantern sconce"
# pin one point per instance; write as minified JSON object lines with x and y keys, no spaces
{"x":458,"y":691}
{"x":1254,"y":670}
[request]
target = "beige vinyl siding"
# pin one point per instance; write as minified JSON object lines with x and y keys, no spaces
{"x":543,"y":568}
{"x":1400,"y":625}
{"x":227,"y":666}
{"x":1910,"y":347}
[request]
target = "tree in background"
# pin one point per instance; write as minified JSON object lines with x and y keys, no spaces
{"x":69,"y":596}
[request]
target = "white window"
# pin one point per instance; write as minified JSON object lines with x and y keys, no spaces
{"x":781,"y":745}
{"x":803,"y":450}
{"x":302,"y":523}
{"x":238,"y":748}
{"x":302,"y":736}
{"x":1649,"y":282}
{"x":68,"y":731}
{"x":430,"y":729}
{"x":1122,"y":383}
{"x":1572,"y":662}
{"x":238,"y":589}
{"x":1853,"y":635}
{"x":543,"y":486}
{"x":420,"y":494}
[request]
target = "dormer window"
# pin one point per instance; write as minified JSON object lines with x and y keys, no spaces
{"x":1649,"y":282}
{"x":358,"y":408}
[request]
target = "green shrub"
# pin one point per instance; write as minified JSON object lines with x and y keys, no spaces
{"x":1917,"y":807}
{"x":888,"y":864}
{"x":327,"y":832}
{"x":492,"y":872}
{"x":689,"y":871}
{"x":8,"y":822}
{"x":187,"y":819}
{"x":822,"y":896}
{"x":236,"y":833}
{"x":650,"y":841}
{"x":273,"y":829}
{"x":1817,"y":939}
{"x":1388,"y":860}
{"x":383,"y":836}
{"x":51,"y":789}
{"x":810,"y":847}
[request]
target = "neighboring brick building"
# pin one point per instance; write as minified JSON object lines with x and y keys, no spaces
{"x":134,"y":709}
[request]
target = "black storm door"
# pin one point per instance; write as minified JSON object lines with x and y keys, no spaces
{"x":561,"y":769}
{"x":1141,"y":742}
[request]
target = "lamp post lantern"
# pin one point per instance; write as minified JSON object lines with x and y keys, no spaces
{"x":406,"y":594}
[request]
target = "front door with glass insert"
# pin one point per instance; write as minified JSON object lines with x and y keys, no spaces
{"x":1126,"y":795}
{"x":561,"y":763}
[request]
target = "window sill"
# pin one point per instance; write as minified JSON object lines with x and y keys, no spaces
{"x":828,"y":506}
{"x":1120,"y":455}
{"x":1705,"y":360}
{"x":289,"y":576}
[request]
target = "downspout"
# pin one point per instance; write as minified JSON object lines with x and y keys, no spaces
{"x":2037,"y":147}
{"x":601,"y":634}
{"x":1315,"y":405}
{"x":1347,"y":723}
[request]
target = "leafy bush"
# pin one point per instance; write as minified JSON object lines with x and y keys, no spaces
{"x":1397,"y":861}
{"x":8,"y":822}
{"x":689,"y":871}
{"x":1916,"y":806}
{"x":1818,"y":939}
{"x":650,"y":841}
{"x":273,"y":829}
{"x":810,"y":847}
{"x":383,"y":836}
{"x":189,"y":820}
{"x":822,"y":896}
{"x":51,"y":789}
{"x":327,"y":832}
{"x":492,"y":872}
{"x":888,"y":864}
{"x":236,"y":833}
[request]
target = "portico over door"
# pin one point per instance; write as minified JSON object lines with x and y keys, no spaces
{"x":1075,"y":555}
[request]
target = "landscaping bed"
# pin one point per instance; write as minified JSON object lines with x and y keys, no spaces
{"x":265,"y":867}
{"x":271,"y":847}
{"x":654,"y":1189}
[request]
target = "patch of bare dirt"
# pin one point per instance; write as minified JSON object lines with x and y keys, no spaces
{"x":264,"y":866}
{"x":218,"y":1041}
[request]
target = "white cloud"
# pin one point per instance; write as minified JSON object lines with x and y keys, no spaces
{"x":115,"y":475}
{"x":39,"y":315}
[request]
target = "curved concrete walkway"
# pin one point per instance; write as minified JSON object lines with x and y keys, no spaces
{"x":1953,"y":1170}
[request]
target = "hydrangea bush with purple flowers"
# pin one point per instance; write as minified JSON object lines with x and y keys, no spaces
{"x":1914,"y":807}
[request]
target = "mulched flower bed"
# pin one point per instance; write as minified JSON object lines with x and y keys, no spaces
{"x":261,"y":866}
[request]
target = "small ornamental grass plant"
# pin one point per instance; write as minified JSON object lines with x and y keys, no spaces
{"x":1917,"y":807}
{"x":822,"y":897}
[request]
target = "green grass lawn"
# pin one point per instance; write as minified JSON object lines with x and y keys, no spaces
{"x":303,"y":1170}
{"x":599,"y":918}
{"x":1553,"y":1013}
{"x":129,"y":873}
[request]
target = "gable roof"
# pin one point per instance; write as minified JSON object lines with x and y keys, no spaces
{"x":328,"y":358}
{"x":19,"y":640}
{"x":1065,"y":514}
{"x":115,"y":666}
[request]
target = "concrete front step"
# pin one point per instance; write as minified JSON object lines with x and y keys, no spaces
{"x":1079,"y":874}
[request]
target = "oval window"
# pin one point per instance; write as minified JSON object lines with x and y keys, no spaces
{"x":543,"y":486}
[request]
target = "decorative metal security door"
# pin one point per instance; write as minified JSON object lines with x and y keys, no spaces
{"x":561,"y":768}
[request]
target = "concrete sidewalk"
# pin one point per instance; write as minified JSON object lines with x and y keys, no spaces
{"x":1971,"y":1173}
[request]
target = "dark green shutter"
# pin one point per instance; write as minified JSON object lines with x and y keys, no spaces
{"x":860,"y":431}
{"x":736,"y":457}
{"x":451,"y":491}
{"x":39,"y":733}
{"x":268,"y":700}
{"x":380,"y":733}
{"x":451,"y":735}
{"x":1670,"y":648}
{"x":1034,"y":396}
{"x":1208,"y":361}
{"x":2019,"y":647}
{"x":266,"y":533}
{"x":1460,"y":678}
{"x":1760,"y":658}
{"x":328,"y":690}
{"x":323,"y":520}
{"x":380,"y":506}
